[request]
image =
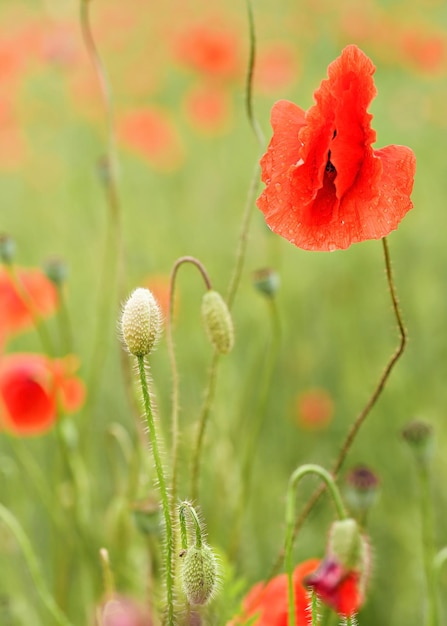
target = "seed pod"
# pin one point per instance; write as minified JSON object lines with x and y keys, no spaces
{"x":141,"y":322}
{"x":217,"y":320}
{"x":199,"y":574}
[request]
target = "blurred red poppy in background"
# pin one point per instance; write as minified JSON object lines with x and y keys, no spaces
{"x":208,"y":108}
{"x":315,"y":409}
{"x":33,"y":387}
{"x":150,"y":133}
{"x":16,"y":308}
{"x":209,"y":50}
{"x":268,"y":603}
{"x":326,"y":188}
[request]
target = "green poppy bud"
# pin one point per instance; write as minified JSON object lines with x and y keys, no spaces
{"x":199,"y":574}
{"x":141,"y":322}
{"x":217,"y":320}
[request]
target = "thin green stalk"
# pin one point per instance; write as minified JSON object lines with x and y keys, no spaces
{"x":169,"y":546}
{"x":107,"y":573}
{"x":111,"y":272}
{"x":256,"y":425}
{"x":364,"y":413}
{"x":47,"y":599}
{"x":439,"y":561}
{"x":297,"y":475}
{"x":173,"y":365}
{"x":254,"y":185}
{"x":203,"y":420}
{"x":428,"y":545}
{"x":65,"y":328}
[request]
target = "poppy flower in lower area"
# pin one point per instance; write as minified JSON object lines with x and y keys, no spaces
{"x":16,"y":312}
{"x":336,"y":588}
{"x":326,"y":188}
{"x":32,"y":387}
{"x":342,"y":576}
{"x":267,"y":603}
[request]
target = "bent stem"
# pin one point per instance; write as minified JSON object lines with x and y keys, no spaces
{"x":111,"y":272}
{"x":248,"y":210}
{"x":297,"y":475}
{"x":173,"y":363}
{"x":47,"y":599}
{"x":169,"y":547}
{"x":361,"y":417}
{"x":186,"y":506}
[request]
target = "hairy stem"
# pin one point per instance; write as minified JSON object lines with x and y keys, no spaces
{"x":169,"y":546}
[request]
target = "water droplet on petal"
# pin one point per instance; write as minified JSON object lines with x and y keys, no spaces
{"x":331,"y":246}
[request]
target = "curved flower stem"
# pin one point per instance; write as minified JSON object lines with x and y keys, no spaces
{"x":248,"y":210}
{"x":203,"y":420}
{"x":297,"y":475}
{"x":432,"y":616}
{"x":111,"y":272}
{"x":38,"y":322}
{"x":361,"y":417}
{"x":249,"y":80}
{"x":11,"y":522}
{"x":169,"y":547}
{"x":186,"y":506}
{"x":173,"y":364}
{"x":258,"y":422}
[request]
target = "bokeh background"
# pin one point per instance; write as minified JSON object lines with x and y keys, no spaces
{"x":186,"y":155}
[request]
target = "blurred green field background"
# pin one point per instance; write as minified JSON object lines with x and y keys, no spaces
{"x":187,"y":198}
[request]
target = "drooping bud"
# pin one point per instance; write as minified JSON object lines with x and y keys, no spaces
{"x":56,"y":270}
{"x":7,"y":249}
{"x":419,"y":436}
{"x":141,"y":322}
{"x":346,"y":543}
{"x":266,"y":280}
{"x":341,"y":579}
{"x":217,"y":320}
{"x":199,"y":574}
{"x":361,"y":488}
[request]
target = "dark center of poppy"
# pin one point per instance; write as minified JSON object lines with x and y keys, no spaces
{"x":330,"y":170}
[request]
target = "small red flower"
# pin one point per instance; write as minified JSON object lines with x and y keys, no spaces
{"x":209,"y":50}
{"x":315,"y":409}
{"x":150,"y":133}
{"x":337,"y":588}
{"x":15,"y":313}
{"x":32,"y":386}
{"x":269,"y":602}
{"x":326,"y":186}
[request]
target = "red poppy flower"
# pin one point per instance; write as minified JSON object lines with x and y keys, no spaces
{"x":32,"y":386}
{"x":326,"y":186}
{"x":337,"y":588}
{"x":15,"y":313}
{"x":269,"y":602}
